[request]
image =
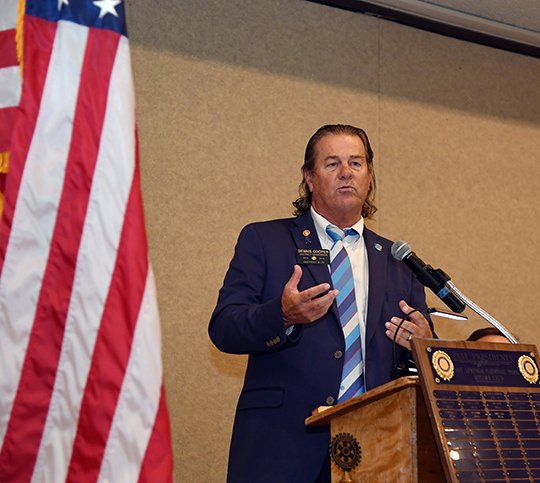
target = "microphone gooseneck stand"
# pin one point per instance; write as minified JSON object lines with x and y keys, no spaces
{"x":482,"y":313}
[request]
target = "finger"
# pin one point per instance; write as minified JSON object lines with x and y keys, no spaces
{"x":394,"y":327}
{"x":410,"y":312}
{"x":417,"y":318}
{"x":402,"y":339}
{"x":292,"y":284}
{"x":404,"y":306}
{"x":314,"y":309}
{"x":404,"y":325}
{"x":314,"y":292}
{"x":320,"y":305}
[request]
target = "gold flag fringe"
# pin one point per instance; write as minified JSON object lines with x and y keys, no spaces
{"x":19,"y":32}
{"x":4,"y":162}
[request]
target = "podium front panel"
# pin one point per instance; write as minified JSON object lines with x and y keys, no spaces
{"x":484,"y":403}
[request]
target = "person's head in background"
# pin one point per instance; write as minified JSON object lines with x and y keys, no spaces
{"x":488,"y":334}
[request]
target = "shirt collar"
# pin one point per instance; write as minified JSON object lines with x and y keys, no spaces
{"x":321,"y":223}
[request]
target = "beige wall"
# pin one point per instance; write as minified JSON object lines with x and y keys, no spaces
{"x":228,"y":93}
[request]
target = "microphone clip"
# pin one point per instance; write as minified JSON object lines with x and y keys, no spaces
{"x":404,"y":369}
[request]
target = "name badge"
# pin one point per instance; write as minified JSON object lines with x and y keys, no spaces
{"x":312,"y":257}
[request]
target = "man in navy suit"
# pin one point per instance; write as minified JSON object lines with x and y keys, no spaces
{"x":278,"y":305}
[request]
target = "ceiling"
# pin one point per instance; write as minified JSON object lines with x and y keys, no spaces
{"x":523,"y":14}
{"x":507,"y":24}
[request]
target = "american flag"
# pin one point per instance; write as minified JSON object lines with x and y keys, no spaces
{"x":81,"y":382}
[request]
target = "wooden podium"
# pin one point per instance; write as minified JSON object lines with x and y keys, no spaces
{"x":473,"y":414}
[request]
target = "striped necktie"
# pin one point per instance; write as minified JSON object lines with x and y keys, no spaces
{"x":352,"y":377}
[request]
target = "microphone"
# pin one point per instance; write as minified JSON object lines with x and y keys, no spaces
{"x":434,"y":279}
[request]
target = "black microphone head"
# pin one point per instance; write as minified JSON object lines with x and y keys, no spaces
{"x":400,"y":250}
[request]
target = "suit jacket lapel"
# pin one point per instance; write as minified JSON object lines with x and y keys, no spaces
{"x":305,"y":236}
{"x":303,"y":225}
{"x":377,"y":262}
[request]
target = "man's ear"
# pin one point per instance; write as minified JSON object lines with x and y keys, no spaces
{"x":308,"y":177}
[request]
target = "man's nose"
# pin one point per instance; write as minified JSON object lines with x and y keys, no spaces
{"x":345,"y":171}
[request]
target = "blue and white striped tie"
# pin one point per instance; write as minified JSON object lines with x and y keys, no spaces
{"x":352,"y":377}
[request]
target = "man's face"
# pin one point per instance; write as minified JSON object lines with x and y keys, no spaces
{"x":340,"y":180}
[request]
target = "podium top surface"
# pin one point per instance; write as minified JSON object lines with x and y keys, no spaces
{"x":324,"y":414}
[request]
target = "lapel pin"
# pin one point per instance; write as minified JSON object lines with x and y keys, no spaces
{"x":306,"y":233}
{"x":378,"y":247}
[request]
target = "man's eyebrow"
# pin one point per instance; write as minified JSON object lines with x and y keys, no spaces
{"x":336,"y":157}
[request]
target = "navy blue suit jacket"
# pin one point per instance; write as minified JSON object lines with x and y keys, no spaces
{"x":288,"y":376}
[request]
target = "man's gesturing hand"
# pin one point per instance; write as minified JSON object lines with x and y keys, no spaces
{"x":414,"y":325}
{"x":307,"y":306}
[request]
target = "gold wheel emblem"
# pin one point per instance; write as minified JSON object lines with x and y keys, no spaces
{"x":528,"y":369}
{"x":443,"y":365}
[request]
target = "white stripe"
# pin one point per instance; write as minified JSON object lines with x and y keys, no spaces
{"x":336,"y":248}
{"x":137,"y":406}
{"x":8,"y":16}
{"x":95,"y":264}
{"x":353,"y":376}
{"x":35,"y":213}
{"x":10,"y":86}
{"x":353,"y":322}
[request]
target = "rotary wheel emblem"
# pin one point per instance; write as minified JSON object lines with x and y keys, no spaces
{"x":345,"y":451}
{"x":443,"y":365}
{"x":528,"y":369}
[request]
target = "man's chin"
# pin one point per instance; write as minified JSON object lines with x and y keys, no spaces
{"x":350,"y":204}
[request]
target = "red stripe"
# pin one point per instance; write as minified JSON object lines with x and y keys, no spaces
{"x":7,"y":116}
{"x":113,"y":345}
{"x":158,"y":461}
{"x":8,"y":48}
{"x":39,"y":38}
{"x":39,"y":369}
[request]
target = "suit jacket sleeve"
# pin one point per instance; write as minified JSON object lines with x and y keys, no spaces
{"x":248,"y":318}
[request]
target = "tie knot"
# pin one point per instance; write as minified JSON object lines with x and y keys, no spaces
{"x":352,"y":233}
{"x":337,"y":234}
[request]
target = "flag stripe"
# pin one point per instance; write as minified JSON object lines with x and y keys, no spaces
{"x":157,"y":464}
{"x":108,"y":366}
{"x":107,"y":201}
{"x":39,"y":36}
{"x":10,"y":86}
{"x":8,"y":48}
{"x":7,"y":118}
{"x":20,"y":284}
{"x":119,"y":155}
{"x":141,"y":390}
{"x":39,"y":370}
{"x":137,"y":406}
{"x":8,"y":19}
